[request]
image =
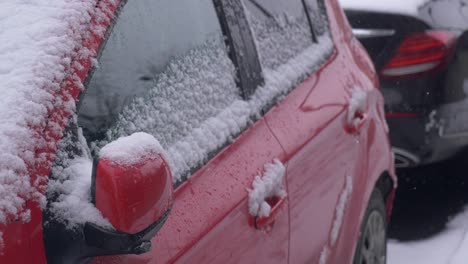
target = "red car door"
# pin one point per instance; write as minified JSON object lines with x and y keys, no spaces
{"x":210,"y":220}
{"x":321,"y":158}
{"x":322,"y":154}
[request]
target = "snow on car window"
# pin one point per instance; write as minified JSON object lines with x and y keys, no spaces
{"x":166,"y":52}
{"x":188,"y":92}
{"x":36,"y":41}
{"x":189,"y":102}
{"x":281,"y":29}
{"x":180,"y":76}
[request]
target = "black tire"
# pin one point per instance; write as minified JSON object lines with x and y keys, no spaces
{"x":372,"y":244}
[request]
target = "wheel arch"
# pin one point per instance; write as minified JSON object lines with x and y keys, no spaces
{"x":387,"y":185}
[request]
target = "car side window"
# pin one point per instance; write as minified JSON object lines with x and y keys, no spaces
{"x":285,"y":34}
{"x":318,"y":17}
{"x":165,"y":70}
{"x":281,"y":28}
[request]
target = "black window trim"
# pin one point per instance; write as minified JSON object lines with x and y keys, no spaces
{"x":309,"y":19}
{"x":248,"y":67}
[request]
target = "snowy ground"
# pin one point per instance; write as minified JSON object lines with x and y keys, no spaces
{"x":430,"y":220}
{"x":448,"y":247}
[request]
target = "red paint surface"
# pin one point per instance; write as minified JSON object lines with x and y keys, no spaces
{"x":210,"y":223}
{"x":133,"y":197}
{"x":31,"y":249}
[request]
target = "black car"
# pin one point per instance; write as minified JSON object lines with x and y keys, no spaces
{"x":420,"y":50}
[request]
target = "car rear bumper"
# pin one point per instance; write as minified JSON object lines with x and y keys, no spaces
{"x":414,"y":118}
{"x":419,"y":140}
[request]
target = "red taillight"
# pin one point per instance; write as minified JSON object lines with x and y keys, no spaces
{"x":420,"y":53}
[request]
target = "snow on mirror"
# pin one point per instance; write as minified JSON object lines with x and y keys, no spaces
{"x":133,"y":183}
{"x":135,"y":160}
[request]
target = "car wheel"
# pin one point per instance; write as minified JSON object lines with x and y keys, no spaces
{"x":372,"y":245}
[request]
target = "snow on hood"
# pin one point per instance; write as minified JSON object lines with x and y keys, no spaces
{"x":37,"y":39}
{"x":405,"y":7}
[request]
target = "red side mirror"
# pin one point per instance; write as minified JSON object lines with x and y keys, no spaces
{"x":133,"y":195}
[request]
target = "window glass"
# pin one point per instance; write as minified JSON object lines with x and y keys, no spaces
{"x":318,"y":16}
{"x":281,"y":28}
{"x":164,"y":69}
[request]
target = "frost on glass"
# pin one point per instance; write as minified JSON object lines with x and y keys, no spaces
{"x":190,"y":90}
{"x":164,"y":71}
{"x":281,"y":29}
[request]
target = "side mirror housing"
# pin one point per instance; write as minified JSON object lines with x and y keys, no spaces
{"x":133,"y":197}
{"x":132,"y":187}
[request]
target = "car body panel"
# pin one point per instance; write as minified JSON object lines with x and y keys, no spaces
{"x":306,"y":123}
{"x":210,"y":223}
{"x":52,"y":131}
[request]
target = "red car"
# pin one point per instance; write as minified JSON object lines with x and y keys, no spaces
{"x":210,"y":131}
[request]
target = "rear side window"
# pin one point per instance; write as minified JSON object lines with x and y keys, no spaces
{"x":281,"y":28}
{"x":164,"y":70}
{"x":318,"y":16}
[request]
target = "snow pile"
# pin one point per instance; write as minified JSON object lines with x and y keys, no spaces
{"x":130,"y":150}
{"x":338,"y":222}
{"x":407,"y":7}
{"x":357,"y":104}
{"x":340,"y":209}
{"x":268,"y":185}
{"x":74,"y":202}
{"x":435,"y":123}
{"x":460,"y":256}
{"x":192,"y":150}
{"x":69,"y":187}
{"x":450,"y":246}
{"x":36,"y":40}
{"x":323,"y":256}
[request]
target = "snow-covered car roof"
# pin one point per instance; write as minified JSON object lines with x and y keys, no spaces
{"x":404,"y":7}
{"x":37,"y":41}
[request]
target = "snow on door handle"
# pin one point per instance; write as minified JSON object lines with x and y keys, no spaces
{"x":356,"y":123}
{"x":277,"y":205}
{"x":356,"y":116}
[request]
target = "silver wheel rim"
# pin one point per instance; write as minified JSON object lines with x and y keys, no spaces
{"x":373,"y":249}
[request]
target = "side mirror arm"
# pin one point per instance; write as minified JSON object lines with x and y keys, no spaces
{"x":105,"y":242}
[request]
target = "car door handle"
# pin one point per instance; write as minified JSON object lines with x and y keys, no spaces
{"x":277,"y":204}
{"x":356,"y":122}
